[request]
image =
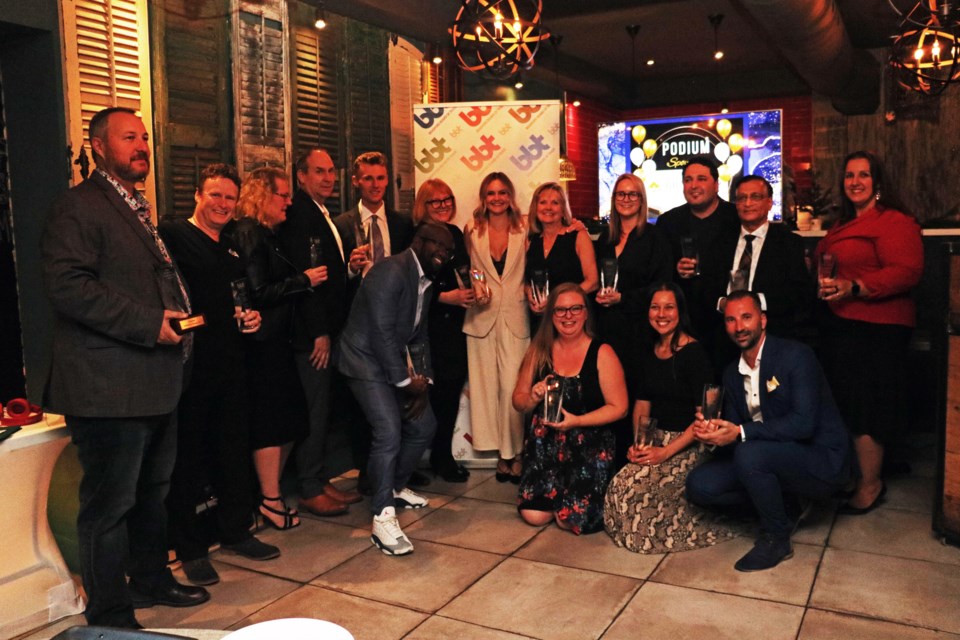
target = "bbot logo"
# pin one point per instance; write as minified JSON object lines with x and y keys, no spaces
{"x":430,"y":158}
{"x":481,"y":154}
{"x":530,"y":153}
{"x":427,"y":117}
{"x":476,"y":115}
{"x":524,"y":113}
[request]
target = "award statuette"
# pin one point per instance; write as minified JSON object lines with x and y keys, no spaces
{"x":172,"y":296}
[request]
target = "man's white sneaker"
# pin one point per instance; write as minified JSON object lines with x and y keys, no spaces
{"x":406,"y":499}
{"x":387,"y":534}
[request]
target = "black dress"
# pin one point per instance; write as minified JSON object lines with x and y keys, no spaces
{"x":213,"y":446}
{"x":645,"y":507}
{"x":562,"y":264}
{"x":447,"y":340}
{"x":567,"y":471}
{"x":279,"y":409}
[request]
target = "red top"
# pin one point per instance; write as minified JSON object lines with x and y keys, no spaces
{"x":883,"y":249}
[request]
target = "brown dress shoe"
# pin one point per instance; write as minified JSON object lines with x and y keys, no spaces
{"x":323,"y":505}
{"x":346,"y":497}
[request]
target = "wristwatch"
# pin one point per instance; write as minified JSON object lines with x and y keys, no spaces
{"x":855,"y":289}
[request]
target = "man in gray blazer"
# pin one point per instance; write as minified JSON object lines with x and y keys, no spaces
{"x":386,"y":328}
{"x":117,"y":371}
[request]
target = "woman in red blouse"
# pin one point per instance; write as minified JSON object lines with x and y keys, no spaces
{"x":870,"y":316}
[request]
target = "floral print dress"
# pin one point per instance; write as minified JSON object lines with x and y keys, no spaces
{"x":567,"y":472}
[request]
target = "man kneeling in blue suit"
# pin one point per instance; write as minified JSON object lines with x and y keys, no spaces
{"x":388,"y":323}
{"x":782,"y":437}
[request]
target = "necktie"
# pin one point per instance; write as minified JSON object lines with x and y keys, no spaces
{"x":746,"y":260}
{"x":376,"y":238}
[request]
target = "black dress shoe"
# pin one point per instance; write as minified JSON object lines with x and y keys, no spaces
{"x":250,"y":548}
{"x":169,"y":594}
{"x":418,"y":479}
{"x":200,"y":572}
{"x":452,"y":472}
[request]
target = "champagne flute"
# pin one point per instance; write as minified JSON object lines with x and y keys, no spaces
{"x":688,"y":249}
{"x":241,"y":299}
{"x":826,"y":269}
{"x":316,"y":252}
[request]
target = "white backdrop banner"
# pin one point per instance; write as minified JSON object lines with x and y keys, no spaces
{"x":462,"y":142}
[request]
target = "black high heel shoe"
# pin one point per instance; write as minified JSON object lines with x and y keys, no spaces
{"x":849,"y":510}
{"x":503,"y":471}
{"x":287,"y":514}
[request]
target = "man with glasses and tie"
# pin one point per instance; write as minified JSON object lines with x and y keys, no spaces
{"x":311,"y":239}
{"x":765,"y":258}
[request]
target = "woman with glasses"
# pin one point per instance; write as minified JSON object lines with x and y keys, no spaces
{"x":645,"y":509}
{"x":556,"y":252}
{"x":497,"y":328}
{"x":633,"y":255}
{"x":279,"y":414}
{"x":567,"y":463}
{"x":452,"y":297}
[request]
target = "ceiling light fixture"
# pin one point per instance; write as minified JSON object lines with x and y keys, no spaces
{"x":715,"y":20}
{"x":632,"y":31}
{"x":500,"y":37}
{"x":926,"y":51}
{"x":320,"y":17}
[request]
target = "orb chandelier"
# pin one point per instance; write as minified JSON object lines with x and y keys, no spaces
{"x":500,"y":37}
{"x":926,"y":52}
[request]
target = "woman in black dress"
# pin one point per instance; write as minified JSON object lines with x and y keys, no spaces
{"x":559,"y":251}
{"x":452,"y":297}
{"x":567,"y":464}
{"x":279,"y":414}
{"x":639,"y":256}
{"x":646,"y":510}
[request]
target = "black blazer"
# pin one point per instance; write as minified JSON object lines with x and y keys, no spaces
{"x":100,"y":271}
{"x":781,"y":276}
{"x":324,"y":311}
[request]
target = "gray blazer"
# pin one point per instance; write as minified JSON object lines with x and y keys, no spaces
{"x":381,"y":323}
{"x":102,"y":274}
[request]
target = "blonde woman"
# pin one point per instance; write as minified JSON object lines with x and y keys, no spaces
{"x":498,"y":331}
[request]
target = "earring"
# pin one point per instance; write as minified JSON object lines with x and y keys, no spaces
{"x":877,"y":196}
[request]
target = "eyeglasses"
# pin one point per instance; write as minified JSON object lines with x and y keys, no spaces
{"x":753,"y":197}
{"x":574,"y":311}
{"x":440,"y":203}
{"x":283,"y":195}
{"x":629,"y":196}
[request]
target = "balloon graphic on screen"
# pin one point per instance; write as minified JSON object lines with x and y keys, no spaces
{"x":722,"y":151}
{"x":725,"y":173}
{"x":649,"y":167}
{"x":736,"y":143}
{"x":650,"y":147}
{"x":723,"y":128}
{"x":735,"y":163}
{"x":637,"y":156}
{"x":639,"y":133}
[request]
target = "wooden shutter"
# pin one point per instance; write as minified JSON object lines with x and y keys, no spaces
{"x":316,"y":113}
{"x":107,"y":64}
{"x":260,"y":87}
{"x":366,"y":84}
{"x":193,"y":106}
{"x":406,"y":76}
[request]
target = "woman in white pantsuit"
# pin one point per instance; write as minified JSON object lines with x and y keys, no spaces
{"x":497,"y":332}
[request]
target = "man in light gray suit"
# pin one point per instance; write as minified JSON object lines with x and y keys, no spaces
{"x":117,"y":371}
{"x":388,"y":324}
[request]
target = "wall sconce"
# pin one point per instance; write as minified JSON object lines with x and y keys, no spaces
{"x":500,"y":37}
{"x":926,"y":50}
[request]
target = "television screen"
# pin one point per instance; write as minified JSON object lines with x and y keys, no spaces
{"x":747,"y":143}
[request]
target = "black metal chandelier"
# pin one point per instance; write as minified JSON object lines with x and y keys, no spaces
{"x":926,"y":52}
{"x":500,"y":37}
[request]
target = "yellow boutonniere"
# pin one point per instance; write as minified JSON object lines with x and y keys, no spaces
{"x":772,"y":384}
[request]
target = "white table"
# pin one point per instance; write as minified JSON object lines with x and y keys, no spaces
{"x":35,"y":585}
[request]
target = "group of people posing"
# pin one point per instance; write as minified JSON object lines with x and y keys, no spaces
{"x":586,"y":361}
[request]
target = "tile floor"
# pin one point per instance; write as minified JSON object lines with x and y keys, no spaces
{"x":480,"y":573}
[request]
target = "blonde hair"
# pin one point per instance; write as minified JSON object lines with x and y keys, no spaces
{"x":480,"y":215}
{"x":566,"y":216}
{"x":540,"y":350}
{"x":615,"y":225}
{"x":258,"y":187}
{"x":429,"y":190}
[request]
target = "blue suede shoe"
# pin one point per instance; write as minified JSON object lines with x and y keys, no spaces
{"x":768,"y":551}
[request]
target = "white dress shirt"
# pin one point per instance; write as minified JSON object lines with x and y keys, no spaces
{"x":333,"y":228}
{"x":751,"y":386}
